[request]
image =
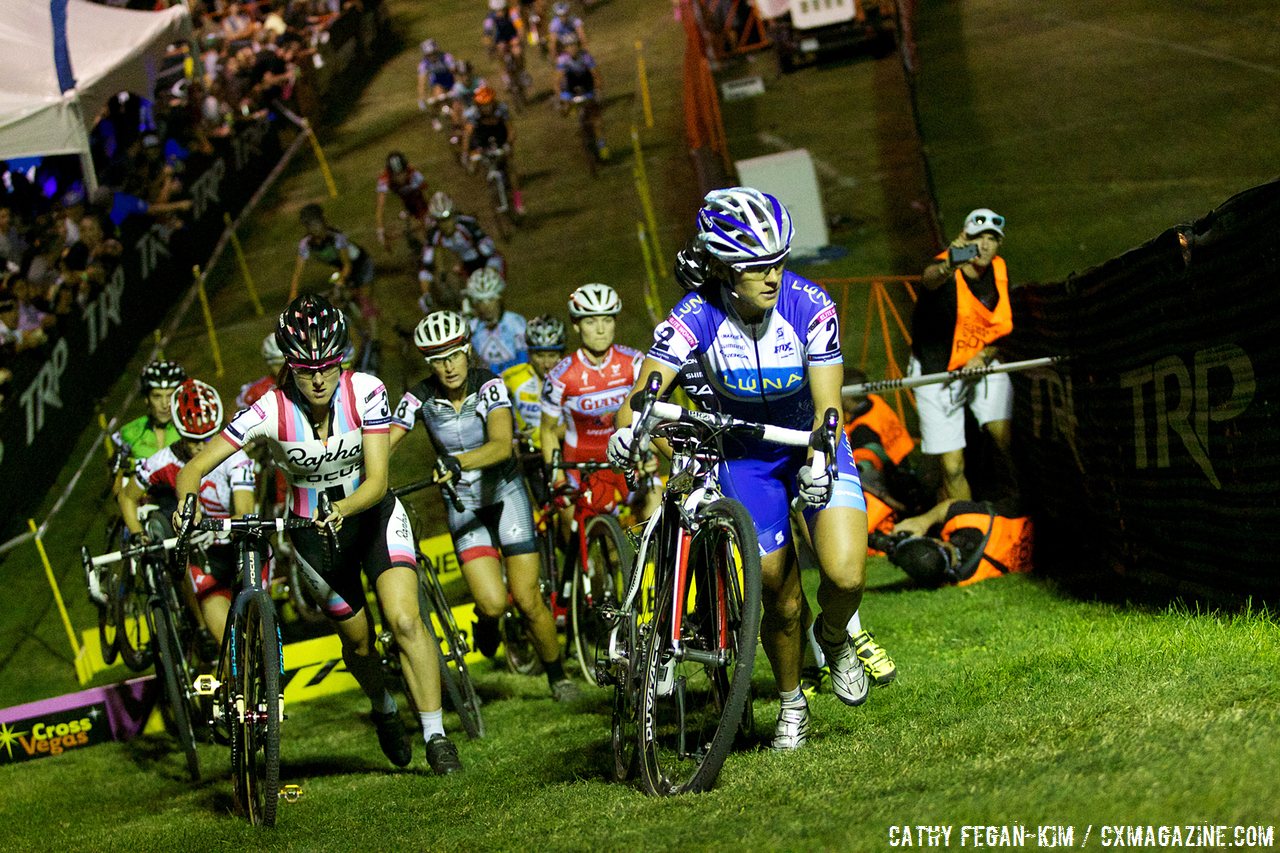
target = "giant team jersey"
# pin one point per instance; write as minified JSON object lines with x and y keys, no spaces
{"x":502,"y":345}
{"x":758,"y":372}
{"x":234,"y":474}
{"x":455,"y":431}
{"x":359,"y":406}
{"x":585,"y":398}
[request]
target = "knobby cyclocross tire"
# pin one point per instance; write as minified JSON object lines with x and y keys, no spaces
{"x":448,"y":640}
{"x":255,"y":751}
{"x":170,"y":671}
{"x":601,"y":582}
{"x":501,"y":203}
{"x":690,"y":711}
{"x":131,"y":616}
{"x":623,"y":731}
{"x":108,"y":614}
{"x":522,"y":657}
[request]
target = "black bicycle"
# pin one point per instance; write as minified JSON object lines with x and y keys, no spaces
{"x":244,"y":694}
{"x":493,"y":159}
{"x":680,"y":651}
{"x":169,"y":635}
{"x":449,"y":640}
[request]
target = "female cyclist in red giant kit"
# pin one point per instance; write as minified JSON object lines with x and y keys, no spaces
{"x":327,"y":429}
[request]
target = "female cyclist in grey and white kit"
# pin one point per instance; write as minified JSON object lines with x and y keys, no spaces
{"x":468,"y":413}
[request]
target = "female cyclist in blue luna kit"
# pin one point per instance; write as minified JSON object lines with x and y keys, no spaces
{"x":768,"y":344}
{"x":328,"y":430}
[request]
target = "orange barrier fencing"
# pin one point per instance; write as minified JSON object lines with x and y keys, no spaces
{"x":881,"y":308}
{"x":703,"y":124}
{"x":731,"y":27}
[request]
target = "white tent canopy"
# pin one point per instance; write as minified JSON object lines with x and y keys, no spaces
{"x":111,"y":50}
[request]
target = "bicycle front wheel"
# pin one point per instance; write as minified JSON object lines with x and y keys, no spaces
{"x":108,"y":614}
{"x":172,"y":672}
{"x":255,"y":748}
{"x":131,"y":616}
{"x":597,"y":584}
{"x":455,"y":677}
{"x":700,"y":652}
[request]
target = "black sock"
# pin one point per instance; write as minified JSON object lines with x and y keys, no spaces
{"x":555,"y":670}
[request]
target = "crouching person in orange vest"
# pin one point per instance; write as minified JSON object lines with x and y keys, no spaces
{"x":973,"y":542}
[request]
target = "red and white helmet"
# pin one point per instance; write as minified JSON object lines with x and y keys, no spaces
{"x":196,"y":409}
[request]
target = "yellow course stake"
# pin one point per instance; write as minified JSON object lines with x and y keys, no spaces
{"x":244,"y":265}
{"x":208,"y":321}
{"x":320,"y":158}
{"x":646,"y":201}
{"x":82,"y":673}
{"x":644,"y":86}
{"x":106,"y":437}
{"x":650,"y":292}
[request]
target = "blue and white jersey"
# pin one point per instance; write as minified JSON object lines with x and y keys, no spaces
{"x":577,"y":72}
{"x":501,"y":345}
{"x":566,"y":26}
{"x":439,"y":69}
{"x":755,"y":371}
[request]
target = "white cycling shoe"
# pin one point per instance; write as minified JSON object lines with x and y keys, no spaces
{"x":848,"y":676}
{"x":792,"y":729}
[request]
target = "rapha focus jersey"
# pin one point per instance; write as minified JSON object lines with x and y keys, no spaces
{"x":501,"y":345}
{"x":455,"y":431}
{"x":755,"y":371}
{"x":358,"y":407}
{"x":585,"y":397}
{"x":234,"y":474}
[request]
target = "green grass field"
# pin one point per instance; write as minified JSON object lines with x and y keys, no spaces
{"x":1017,"y":701}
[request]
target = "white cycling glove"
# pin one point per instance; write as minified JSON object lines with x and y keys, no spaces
{"x":815,"y":491}
{"x":619,"y":451}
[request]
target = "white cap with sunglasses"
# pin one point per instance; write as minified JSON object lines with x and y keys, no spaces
{"x":983,"y":219}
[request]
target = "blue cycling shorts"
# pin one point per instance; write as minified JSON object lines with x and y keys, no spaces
{"x":766,"y":488}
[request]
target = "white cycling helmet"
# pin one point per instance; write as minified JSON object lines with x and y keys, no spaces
{"x":744,"y":228}
{"x":594,"y":300}
{"x":560,"y":10}
{"x":271,"y":352}
{"x":485,"y":283}
{"x":440,"y":206}
{"x":497,"y":5}
{"x":441,"y":334}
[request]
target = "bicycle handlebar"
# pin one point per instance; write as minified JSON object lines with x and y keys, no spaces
{"x":135,"y":551}
{"x":447,"y":489}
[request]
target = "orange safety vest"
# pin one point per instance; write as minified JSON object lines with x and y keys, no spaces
{"x":1008,"y":549}
{"x":884,"y":422}
{"x":975,"y":325}
{"x":879,"y":514}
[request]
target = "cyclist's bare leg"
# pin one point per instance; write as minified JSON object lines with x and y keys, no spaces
{"x":360,"y":656}
{"x":215,"y":608}
{"x":840,"y":540}
{"x":780,"y":625}
{"x":398,"y":593}
{"x":484,"y":579}
{"x":523,"y":571}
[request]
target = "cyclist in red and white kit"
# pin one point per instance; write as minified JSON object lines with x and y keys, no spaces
{"x":583,"y":392}
{"x":401,"y":178}
{"x":328,"y":432}
{"x":225,"y":492}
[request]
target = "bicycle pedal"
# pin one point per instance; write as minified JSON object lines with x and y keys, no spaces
{"x":290,"y":793}
{"x":206,"y":685}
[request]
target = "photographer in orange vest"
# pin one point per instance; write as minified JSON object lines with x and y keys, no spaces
{"x":962,"y":314}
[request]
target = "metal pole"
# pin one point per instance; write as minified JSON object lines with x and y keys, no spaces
{"x":951,"y":376}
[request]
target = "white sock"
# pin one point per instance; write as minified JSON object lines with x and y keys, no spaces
{"x":855,"y":625}
{"x":793,"y":698}
{"x":432,"y":723}
{"x":818,"y":656}
{"x":386,"y":703}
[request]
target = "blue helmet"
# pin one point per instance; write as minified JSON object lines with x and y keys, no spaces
{"x":744,"y":228}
